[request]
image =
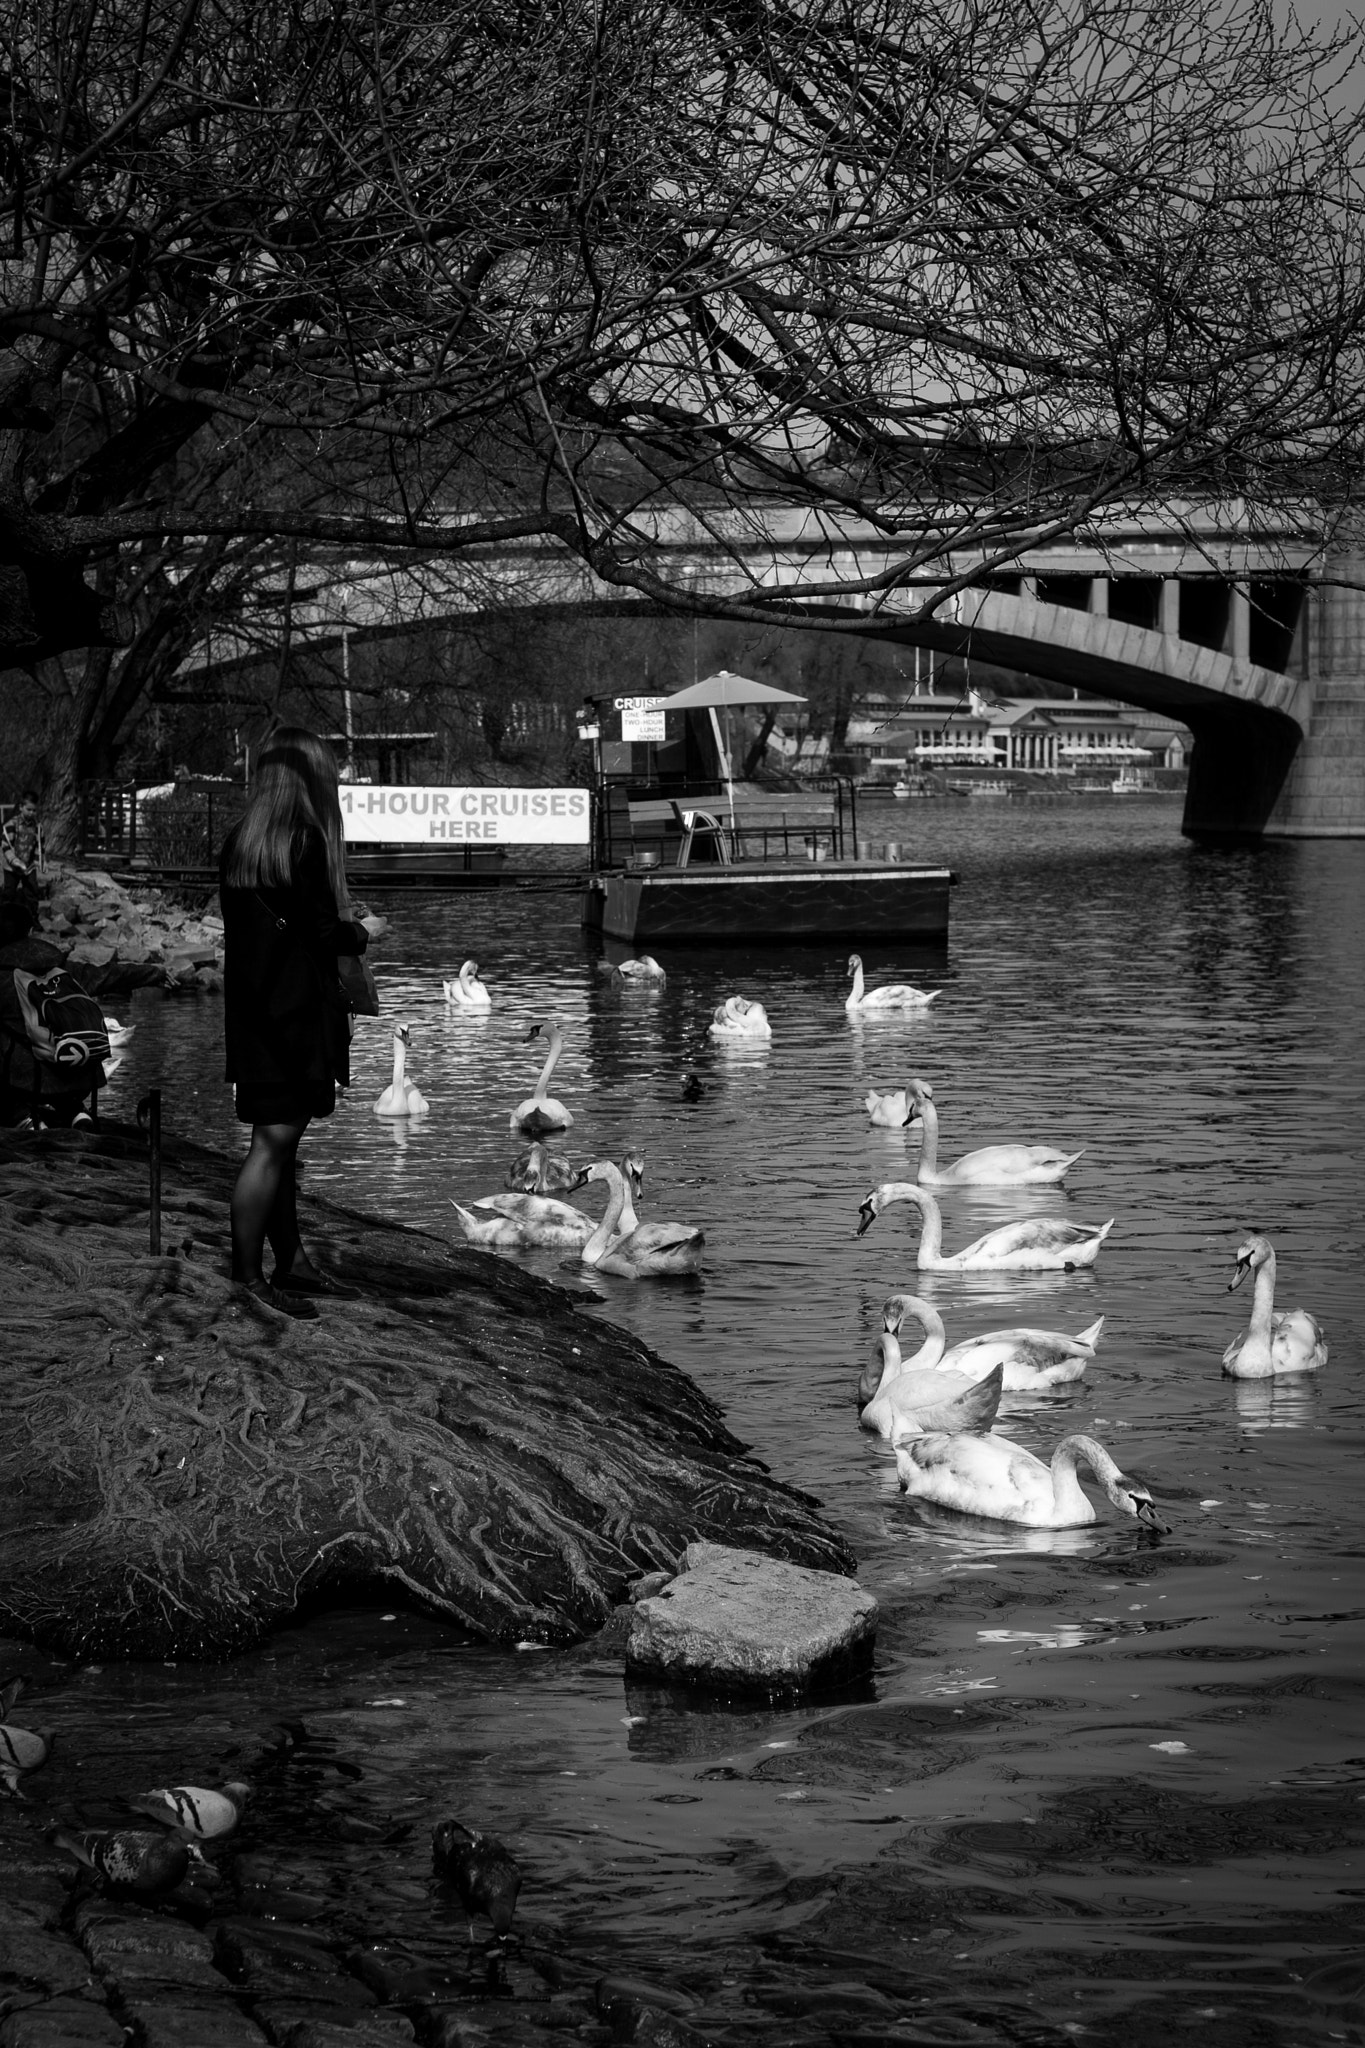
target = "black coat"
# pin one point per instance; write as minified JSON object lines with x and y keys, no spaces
{"x":284,"y":1017}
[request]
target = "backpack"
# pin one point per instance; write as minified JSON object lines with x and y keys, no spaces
{"x":53,"y":1043}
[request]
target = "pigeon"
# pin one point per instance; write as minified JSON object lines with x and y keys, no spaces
{"x":142,"y":1862}
{"x":482,"y":1872}
{"x":192,"y":1812}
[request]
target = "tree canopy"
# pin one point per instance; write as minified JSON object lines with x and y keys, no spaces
{"x":402,"y":280}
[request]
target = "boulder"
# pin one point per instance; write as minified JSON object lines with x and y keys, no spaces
{"x":734,"y":1621}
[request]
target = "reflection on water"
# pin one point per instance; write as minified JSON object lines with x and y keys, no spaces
{"x":969,"y":1851}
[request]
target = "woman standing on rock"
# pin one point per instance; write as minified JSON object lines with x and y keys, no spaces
{"x":286,"y":919}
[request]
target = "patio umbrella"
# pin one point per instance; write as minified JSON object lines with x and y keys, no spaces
{"x":719,"y":692}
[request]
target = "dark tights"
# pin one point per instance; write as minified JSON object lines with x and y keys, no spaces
{"x":264,"y":1204}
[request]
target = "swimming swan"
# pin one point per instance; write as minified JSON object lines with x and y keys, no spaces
{"x":905,"y":1398}
{"x":990,"y":1476}
{"x":540,"y":1171}
{"x":891,"y":1110}
{"x":512,"y":1221}
{"x":1039,"y":1244}
{"x":897,"y":995}
{"x":402,"y":1097}
{"x":645,"y":1252}
{"x":1284,"y":1340}
{"x":737,"y":1017}
{"x":646,"y":968}
{"x":116,"y":1033}
{"x":1030,"y":1360}
{"x":540,"y":1112}
{"x":469,"y":993}
{"x":990,"y":1166}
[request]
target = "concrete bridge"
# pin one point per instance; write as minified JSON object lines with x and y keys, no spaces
{"x":1251,"y":636}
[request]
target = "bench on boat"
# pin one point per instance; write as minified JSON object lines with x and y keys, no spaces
{"x":765,"y":824}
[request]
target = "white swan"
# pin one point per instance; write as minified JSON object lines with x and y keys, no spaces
{"x":402,"y":1097}
{"x":648,"y":1251}
{"x":539,"y":1171}
{"x":990,"y":1166}
{"x":897,"y":995}
{"x":468,"y":992}
{"x":540,"y":1112}
{"x":1277,"y":1340}
{"x":890,"y":1110}
{"x":1029,"y":1360}
{"x":1039,"y":1244}
{"x":990,"y":1476}
{"x":737,"y":1017}
{"x":646,"y":968}
{"x":908,"y":1396}
{"x":512,"y":1221}
{"x":116,"y":1033}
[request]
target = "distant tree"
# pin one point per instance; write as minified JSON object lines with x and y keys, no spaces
{"x":435,"y":278}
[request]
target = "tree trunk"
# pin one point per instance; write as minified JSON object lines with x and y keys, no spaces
{"x":72,"y":717}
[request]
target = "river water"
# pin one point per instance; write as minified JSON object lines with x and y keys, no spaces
{"x":1101,"y":1783}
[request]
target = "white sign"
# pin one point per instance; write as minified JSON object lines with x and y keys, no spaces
{"x":643,"y":725}
{"x":420,"y":815}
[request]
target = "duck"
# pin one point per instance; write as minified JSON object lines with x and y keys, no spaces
{"x":21,"y":1750}
{"x":644,"y":1251}
{"x":483,"y":1872}
{"x":1276,"y":1340}
{"x":539,"y":1171}
{"x":902,"y":1397}
{"x":691,"y":1087}
{"x":990,"y":1166}
{"x":143,"y":1862}
{"x":638,"y":972}
{"x":1038,"y":1244}
{"x":194,"y":1812}
{"x":1030,"y":1361}
{"x":467,"y":991}
{"x":890,"y":1110}
{"x":402,"y":1097}
{"x":896,"y":995}
{"x":738,"y":1017}
{"x":540,"y":1112}
{"x":1000,"y":1480}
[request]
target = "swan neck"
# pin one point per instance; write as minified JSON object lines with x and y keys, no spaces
{"x":542,"y":1087}
{"x":858,"y":982}
{"x":1083,"y":1450}
{"x":928,"y":1116}
{"x":616,"y":1202}
{"x":398,"y":1058}
{"x":1263,"y":1299}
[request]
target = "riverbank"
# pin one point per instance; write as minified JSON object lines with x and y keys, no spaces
{"x":182,"y":1468}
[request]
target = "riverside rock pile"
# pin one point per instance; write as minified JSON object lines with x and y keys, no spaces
{"x":96,"y":922}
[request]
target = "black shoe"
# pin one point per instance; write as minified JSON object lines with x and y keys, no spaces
{"x":315,"y":1283}
{"x":284,"y":1304}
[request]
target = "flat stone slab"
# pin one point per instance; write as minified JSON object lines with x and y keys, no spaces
{"x":734,"y":1621}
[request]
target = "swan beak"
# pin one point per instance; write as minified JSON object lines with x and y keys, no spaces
{"x":580,"y":1180}
{"x":1243,"y":1268}
{"x":1148,"y":1516}
{"x":531,"y":1033}
{"x":867,"y":1216}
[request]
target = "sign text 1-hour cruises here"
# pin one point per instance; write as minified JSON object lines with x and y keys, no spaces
{"x":492,"y":817}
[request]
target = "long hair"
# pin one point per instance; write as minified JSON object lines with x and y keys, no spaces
{"x":293,"y":791}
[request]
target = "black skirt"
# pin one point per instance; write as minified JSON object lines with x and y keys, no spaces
{"x":296,"y":1105}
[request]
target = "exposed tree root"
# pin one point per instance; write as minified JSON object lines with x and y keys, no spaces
{"x":179,"y":1466}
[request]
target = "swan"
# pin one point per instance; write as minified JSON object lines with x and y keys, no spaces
{"x":907,"y":1396}
{"x":646,"y":968}
{"x":116,"y":1033}
{"x":402,"y":1097}
{"x":1039,"y":1244}
{"x":512,"y":1221}
{"x":1029,"y":1360}
{"x":990,"y":1476}
{"x":540,"y":1172}
{"x":468,"y":992}
{"x":540,"y":1112}
{"x":646,"y":1252}
{"x":897,"y":995}
{"x":737,"y":1017}
{"x":991,"y":1166}
{"x":1284,"y":1340}
{"x":891,"y":1110}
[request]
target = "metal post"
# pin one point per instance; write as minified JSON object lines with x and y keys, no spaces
{"x":154,"y":1164}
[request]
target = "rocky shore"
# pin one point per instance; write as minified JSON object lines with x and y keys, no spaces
{"x":113,"y":935}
